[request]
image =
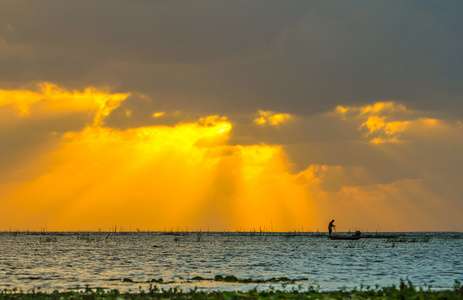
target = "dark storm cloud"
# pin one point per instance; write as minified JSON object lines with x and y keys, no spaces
{"x":350,"y":54}
{"x":230,"y":57}
{"x":177,"y":31}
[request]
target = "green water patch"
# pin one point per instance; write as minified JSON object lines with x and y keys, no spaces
{"x":232,"y":278}
{"x":221,"y":278}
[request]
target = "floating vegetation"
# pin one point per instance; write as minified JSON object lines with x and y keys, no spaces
{"x":232,"y":278}
{"x":220,"y":278}
{"x":404,"y":291}
{"x":51,"y":239}
{"x":154,"y":280}
{"x":160,"y":280}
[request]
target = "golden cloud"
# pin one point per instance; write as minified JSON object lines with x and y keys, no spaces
{"x":271,"y":118}
{"x":158,"y":114}
{"x":155,"y":177}
{"x":382,"y":122}
{"x":374,"y":123}
{"x":53,"y":98}
{"x":163,"y":177}
{"x":378,"y":108}
{"x":21,"y":100}
{"x":380,"y":131}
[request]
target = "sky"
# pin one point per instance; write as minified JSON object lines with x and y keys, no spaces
{"x":231,"y":115}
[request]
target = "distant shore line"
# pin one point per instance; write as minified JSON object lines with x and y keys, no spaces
{"x":224,"y":232}
{"x":230,"y":233}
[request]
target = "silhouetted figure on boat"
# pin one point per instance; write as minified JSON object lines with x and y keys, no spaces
{"x":330,"y":227}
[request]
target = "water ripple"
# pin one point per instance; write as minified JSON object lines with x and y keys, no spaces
{"x":128,"y":261}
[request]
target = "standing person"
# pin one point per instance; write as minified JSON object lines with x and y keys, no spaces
{"x":330,"y":227}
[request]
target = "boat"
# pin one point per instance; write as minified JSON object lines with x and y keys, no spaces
{"x":352,"y":237}
{"x":344,"y":237}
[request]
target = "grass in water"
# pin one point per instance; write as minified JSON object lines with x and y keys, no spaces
{"x":404,"y":291}
{"x":232,"y":278}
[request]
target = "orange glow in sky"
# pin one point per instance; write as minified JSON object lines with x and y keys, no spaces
{"x":129,"y":121}
{"x":155,"y":178}
{"x":189,"y":175}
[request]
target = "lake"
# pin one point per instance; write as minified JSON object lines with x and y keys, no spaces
{"x":130,"y":261}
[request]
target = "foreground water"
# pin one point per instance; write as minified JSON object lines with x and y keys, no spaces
{"x":65,"y":261}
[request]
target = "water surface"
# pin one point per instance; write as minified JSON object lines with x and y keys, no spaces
{"x":128,"y":261}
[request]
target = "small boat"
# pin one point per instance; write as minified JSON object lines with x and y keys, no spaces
{"x":353,"y":237}
{"x":344,"y":237}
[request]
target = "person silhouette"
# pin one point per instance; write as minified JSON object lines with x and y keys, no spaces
{"x":330,"y":227}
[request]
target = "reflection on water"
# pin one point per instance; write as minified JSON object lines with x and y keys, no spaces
{"x":128,"y":261}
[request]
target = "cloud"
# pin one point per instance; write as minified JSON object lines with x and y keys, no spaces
{"x":109,"y":151}
{"x":152,"y":176}
{"x":271,"y":118}
{"x":384,"y":122}
{"x":33,"y":121}
{"x":379,"y":108}
{"x":158,"y":114}
{"x":54,"y":98}
{"x":382,"y":132}
{"x":192,"y":174}
{"x":289,"y":59}
{"x":21,"y":100}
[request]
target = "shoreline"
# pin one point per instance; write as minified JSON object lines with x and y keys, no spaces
{"x":403,"y":291}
